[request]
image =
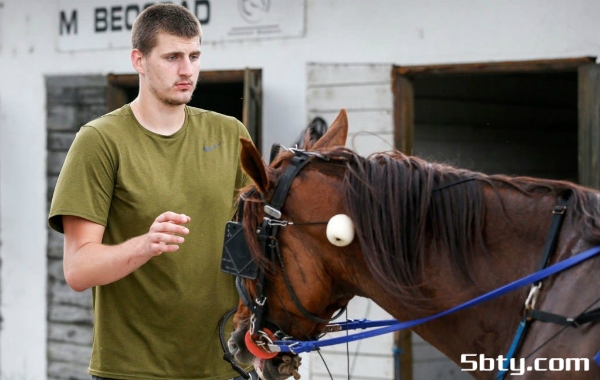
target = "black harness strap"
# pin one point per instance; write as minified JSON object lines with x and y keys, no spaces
{"x":557,"y":219}
{"x":558,"y":215}
{"x":227,"y":355}
{"x":267,"y":232}
{"x":583,"y":318}
{"x":243,"y":293}
{"x":544,"y":316}
{"x":285,"y":182}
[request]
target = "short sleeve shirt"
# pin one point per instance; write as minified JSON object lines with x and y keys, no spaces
{"x":161,"y":321}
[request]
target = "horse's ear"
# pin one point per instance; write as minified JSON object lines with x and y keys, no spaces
{"x":253,"y":165}
{"x":336,"y":134}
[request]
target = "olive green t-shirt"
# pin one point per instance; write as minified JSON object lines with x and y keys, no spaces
{"x":161,"y":321}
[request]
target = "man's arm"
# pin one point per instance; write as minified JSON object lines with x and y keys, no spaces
{"x":87,"y":262}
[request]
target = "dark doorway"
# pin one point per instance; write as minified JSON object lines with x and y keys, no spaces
{"x":514,"y":118}
{"x":514,"y":123}
{"x":236,"y":93}
{"x":225,"y":98}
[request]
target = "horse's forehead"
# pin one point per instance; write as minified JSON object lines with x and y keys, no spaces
{"x":326,"y":177}
{"x":316,"y":191}
{"x":314,"y":196}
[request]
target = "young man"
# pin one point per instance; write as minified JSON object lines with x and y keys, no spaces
{"x":142,"y":200}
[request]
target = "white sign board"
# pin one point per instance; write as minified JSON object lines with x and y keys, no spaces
{"x":106,"y":24}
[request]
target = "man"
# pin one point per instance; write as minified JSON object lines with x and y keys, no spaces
{"x":142,"y":200}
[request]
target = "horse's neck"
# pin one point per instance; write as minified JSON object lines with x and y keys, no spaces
{"x":515,"y":232}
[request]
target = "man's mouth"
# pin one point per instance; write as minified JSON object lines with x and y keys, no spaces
{"x":184,"y":85}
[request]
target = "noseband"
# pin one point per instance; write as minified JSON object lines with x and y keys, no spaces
{"x":237,"y":259}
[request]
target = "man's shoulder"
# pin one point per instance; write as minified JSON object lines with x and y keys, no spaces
{"x":210,"y":116}
{"x":112,"y":119}
{"x":203,"y":121}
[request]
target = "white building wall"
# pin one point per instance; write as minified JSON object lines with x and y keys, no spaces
{"x":364,"y":90}
{"x":402,"y":32}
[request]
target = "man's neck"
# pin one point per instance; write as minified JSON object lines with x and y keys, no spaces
{"x":157,"y":116}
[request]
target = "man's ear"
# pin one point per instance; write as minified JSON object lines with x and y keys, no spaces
{"x":137,"y":59}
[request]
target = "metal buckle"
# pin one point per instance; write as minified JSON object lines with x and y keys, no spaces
{"x":261,"y":302}
{"x":263,"y":338}
{"x":559,"y":210}
{"x":532,"y":297}
{"x":265,"y":342}
{"x":272,"y":347}
{"x":276,"y":222}
{"x":332,"y":328}
{"x":272,"y":211}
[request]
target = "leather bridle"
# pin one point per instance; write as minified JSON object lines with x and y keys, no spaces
{"x":237,"y":259}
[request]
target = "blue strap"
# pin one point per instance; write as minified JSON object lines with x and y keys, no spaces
{"x":513,"y":348}
{"x":355,"y":324}
{"x":298,"y":346}
{"x":597,"y":358}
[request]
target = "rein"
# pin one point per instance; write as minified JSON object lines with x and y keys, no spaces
{"x":299,"y":346}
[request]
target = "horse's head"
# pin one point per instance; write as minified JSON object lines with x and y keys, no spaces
{"x":292,"y":237}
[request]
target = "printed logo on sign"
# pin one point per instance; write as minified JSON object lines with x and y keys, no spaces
{"x":517,"y":366}
{"x":253,"y":11}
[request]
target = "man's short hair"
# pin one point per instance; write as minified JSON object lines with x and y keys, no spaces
{"x":163,"y":17}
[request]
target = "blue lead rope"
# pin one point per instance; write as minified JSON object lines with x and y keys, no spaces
{"x":513,"y":348}
{"x":298,"y":346}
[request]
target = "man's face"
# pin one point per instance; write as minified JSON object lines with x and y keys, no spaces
{"x":172,"y":68}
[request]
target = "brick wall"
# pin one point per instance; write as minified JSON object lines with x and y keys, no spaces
{"x":71,"y":102}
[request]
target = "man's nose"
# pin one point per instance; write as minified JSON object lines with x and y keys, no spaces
{"x":186,"y":68}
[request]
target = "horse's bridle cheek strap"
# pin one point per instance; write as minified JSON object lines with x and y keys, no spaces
{"x":267,"y":233}
{"x":270,"y":247}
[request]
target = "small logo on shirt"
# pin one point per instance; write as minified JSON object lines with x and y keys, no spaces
{"x":213,"y":147}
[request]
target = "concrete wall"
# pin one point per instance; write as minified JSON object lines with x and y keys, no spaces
{"x":401,"y":32}
{"x":71,"y":100}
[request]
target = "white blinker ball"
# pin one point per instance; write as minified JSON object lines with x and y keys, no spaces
{"x":340,"y":230}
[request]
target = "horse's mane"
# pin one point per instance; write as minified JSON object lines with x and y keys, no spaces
{"x":400,"y":203}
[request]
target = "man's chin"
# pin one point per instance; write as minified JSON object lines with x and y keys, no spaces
{"x":177,"y":99}
{"x":177,"y":102}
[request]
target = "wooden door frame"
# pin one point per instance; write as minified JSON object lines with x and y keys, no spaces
{"x":588,"y":124}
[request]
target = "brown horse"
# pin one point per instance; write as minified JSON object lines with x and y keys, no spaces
{"x":428,"y":237}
